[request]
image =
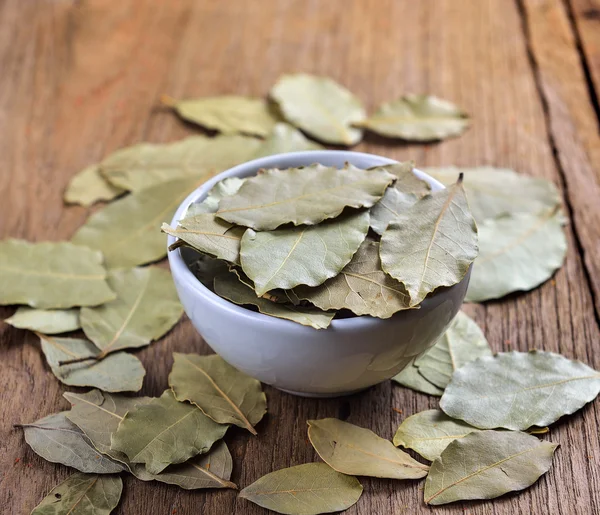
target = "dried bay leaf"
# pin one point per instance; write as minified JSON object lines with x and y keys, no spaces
{"x":51,"y":275}
{"x":127,"y":231}
{"x":82,"y":494}
{"x":47,"y":321}
{"x":310,"y":254}
{"x":431,"y":244}
{"x":165,"y":431}
{"x":410,"y":378}
{"x":320,"y":107}
{"x":225,"y":394}
{"x":517,"y":390}
{"x":89,"y":186}
{"x":406,"y":180}
{"x":307,"y":489}
{"x":517,"y":253}
{"x":487,"y":464}
{"x":305,"y":195}
{"x":225,"y":188}
{"x":358,"y":451}
{"x":146,"y":307}
{"x":206,"y":269}
{"x":418,"y":118}
{"x":285,"y":138}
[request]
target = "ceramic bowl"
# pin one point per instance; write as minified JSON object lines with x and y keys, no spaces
{"x":351,"y":355}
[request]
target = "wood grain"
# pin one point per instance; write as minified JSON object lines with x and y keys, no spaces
{"x":586,"y":16}
{"x":82,"y":78}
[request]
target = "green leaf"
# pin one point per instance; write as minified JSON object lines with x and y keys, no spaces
{"x":410,"y":378}
{"x":225,"y":188}
{"x":320,"y":107}
{"x":127,"y":231}
{"x":362,"y":287}
{"x":89,"y":186}
{"x":165,"y":431}
{"x":418,"y":118}
{"x":517,"y":253}
{"x":119,"y":372}
{"x":430,"y":432}
{"x":225,"y":394}
{"x":487,"y":464}
{"x":47,"y":321}
{"x":51,"y":275}
{"x":431,"y":244}
{"x":307,"y":489}
{"x":229,"y":286}
{"x":517,"y":390}
{"x":309,"y":254}
{"x":55,"y":438}
{"x":146,"y":308}
{"x":285,"y":138}
{"x":305,"y":195}
{"x":353,"y":450}
{"x":82,"y":494}
{"x":462,"y":342}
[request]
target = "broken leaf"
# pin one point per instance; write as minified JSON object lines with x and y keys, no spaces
{"x":285,"y":138}
{"x":410,"y":378}
{"x":89,"y":186}
{"x":47,"y":321}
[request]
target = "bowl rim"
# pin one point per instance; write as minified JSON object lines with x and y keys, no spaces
{"x":180,"y":269}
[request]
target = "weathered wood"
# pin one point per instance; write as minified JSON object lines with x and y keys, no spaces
{"x":586,"y":15}
{"x":80,"y":79}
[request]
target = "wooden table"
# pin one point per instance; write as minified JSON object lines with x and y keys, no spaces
{"x":82,"y":78}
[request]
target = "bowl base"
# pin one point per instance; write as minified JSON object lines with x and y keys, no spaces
{"x":322,"y":395}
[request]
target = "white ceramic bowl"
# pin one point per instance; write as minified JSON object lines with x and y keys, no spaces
{"x":350,"y":355}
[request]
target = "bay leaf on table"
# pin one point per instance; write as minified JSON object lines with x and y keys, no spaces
{"x":82,"y":494}
{"x":305,"y":195}
{"x":146,"y":307}
{"x":418,"y":118}
{"x":47,"y":321}
{"x":197,"y":157}
{"x":431,"y":244}
{"x":119,"y":372}
{"x":498,"y":191}
{"x":517,"y":390}
{"x":309,"y":254}
{"x":52,"y":275}
{"x":285,"y":138}
{"x":165,"y":431}
{"x":320,"y":107}
{"x":429,"y":432}
{"x":55,"y":438}
{"x":307,"y":489}
{"x":409,"y":377}
{"x":362,"y":287}
{"x":225,"y":394}
{"x":487,"y":464}
{"x":225,"y":188}
{"x":517,"y":253}
{"x":354,"y":450}
{"x":462,"y":342}
{"x":230,"y":287}
{"x":127,"y":231}
{"x":89,"y":186}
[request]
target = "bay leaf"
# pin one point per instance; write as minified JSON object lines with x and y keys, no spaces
{"x":82,"y":494}
{"x":320,"y":107}
{"x":206,"y":268}
{"x":354,"y":450}
{"x":431,"y":244}
{"x":517,"y":390}
{"x":228,"y":114}
{"x":47,"y":321}
{"x":406,"y":180}
{"x":487,"y":464}
{"x":119,"y":372}
{"x":410,"y":378}
{"x":285,"y":138}
{"x":309,"y":254}
{"x":165,"y":431}
{"x":89,"y":186}
{"x":225,"y":188}
{"x":51,"y":275}
{"x":305,"y":195}
{"x":417,"y":118}
{"x":462,"y":342}
{"x":228,"y":286}
{"x":429,"y":432}
{"x":517,"y":253}
{"x":210,"y":235}
{"x":307,"y":489}
{"x":225,"y":394}
{"x":362,"y":287}
{"x":127,"y":231}
{"x":197,"y":157}
{"x":146,"y":307}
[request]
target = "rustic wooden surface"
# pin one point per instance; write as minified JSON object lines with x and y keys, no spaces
{"x":82,"y":78}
